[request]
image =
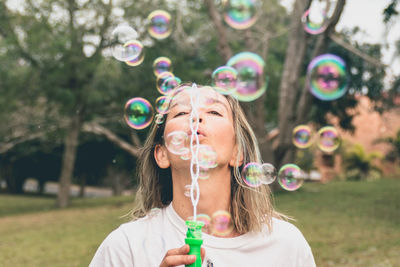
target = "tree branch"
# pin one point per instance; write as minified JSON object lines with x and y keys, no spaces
{"x":100,"y":130}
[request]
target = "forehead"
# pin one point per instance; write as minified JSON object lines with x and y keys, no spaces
{"x":203,"y":95}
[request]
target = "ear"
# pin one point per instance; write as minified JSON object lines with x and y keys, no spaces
{"x":237,"y":159}
{"x":161,"y":156}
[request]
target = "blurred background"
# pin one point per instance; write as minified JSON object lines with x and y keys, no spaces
{"x":68,"y":149}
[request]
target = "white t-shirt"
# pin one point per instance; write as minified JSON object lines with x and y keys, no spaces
{"x":144,"y":242}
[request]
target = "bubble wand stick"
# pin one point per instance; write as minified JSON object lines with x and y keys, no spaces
{"x":193,"y":234}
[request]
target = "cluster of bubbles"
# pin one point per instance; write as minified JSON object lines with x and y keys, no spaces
{"x":219,"y":224}
{"x":327,"y":138}
{"x":242,"y":77}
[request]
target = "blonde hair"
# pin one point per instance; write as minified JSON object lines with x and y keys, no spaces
{"x":250,"y":207}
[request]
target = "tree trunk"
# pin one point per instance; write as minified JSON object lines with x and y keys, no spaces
{"x":82,"y":185}
{"x":295,"y":54}
{"x":70,"y":146}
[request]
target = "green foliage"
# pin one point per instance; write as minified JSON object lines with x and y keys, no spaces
{"x":360,"y":165}
{"x":394,"y":153}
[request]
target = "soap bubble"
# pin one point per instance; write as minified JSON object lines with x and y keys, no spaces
{"x":224,"y":79}
{"x":240,"y":14}
{"x":162,"y":64}
{"x":205,"y":219}
{"x":138,"y":113}
{"x":250,"y":83}
{"x":290,"y":177}
{"x":177,"y":142}
{"x":159,"y":119}
{"x":269,"y":173}
{"x":255,"y":174}
{"x":169,"y":84}
{"x":326,"y":77}
{"x":137,"y":46}
{"x":159,"y":24}
{"x":120,"y":37}
{"x":221,"y":223}
{"x":314,"y":22}
{"x":302,"y":136}
{"x":162,"y":104}
{"x":187,"y":191}
{"x":328,"y":139}
{"x":160,"y":81}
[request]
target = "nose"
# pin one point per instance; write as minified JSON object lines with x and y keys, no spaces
{"x":200,"y":120}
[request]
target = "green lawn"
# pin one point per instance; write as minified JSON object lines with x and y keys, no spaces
{"x":346,"y":224}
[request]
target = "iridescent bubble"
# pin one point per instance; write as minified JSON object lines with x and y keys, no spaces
{"x":302,"y":136}
{"x":315,"y":20}
{"x":120,"y":37}
{"x":224,"y":79}
{"x":204,"y":173}
{"x":207,"y":157}
{"x":269,"y":173}
{"x":186,"y":192}
{"x":161,"y":79}
{"x":252,"y":174}
{"x":328,"y":139}
{"x":137,"y":46}
{"x":221,"y":223}
{"x":290,"y":177}
{"x":138,"y":113}
{"x":205,"y":219}
{"x":162,"y":64}
{"x":326,"y":77}
{"x":240,"y":14}
{"x":250,"y":83}
{"x":159,"y":24}
{"x":177,"y":142}
{"x":162,"y":104}
{"x":159,"y":119}
{"x":169,"y":84}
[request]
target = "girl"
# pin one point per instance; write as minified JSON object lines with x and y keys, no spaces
{"x":258,"y":236}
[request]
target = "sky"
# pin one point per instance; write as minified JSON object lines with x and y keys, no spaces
{"x":367,"y":15}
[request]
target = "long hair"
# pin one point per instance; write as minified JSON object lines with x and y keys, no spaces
{"x":250,"y":207}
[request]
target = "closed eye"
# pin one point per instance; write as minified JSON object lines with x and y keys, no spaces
{"x":215,"y":113}
{"x":180,"y":114}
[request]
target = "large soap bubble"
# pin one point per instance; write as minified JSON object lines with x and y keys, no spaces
{"x":326,"y":77}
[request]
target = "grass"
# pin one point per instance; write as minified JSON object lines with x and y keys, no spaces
{"x":346,"y":224}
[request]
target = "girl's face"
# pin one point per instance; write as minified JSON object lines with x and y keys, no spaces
{"x":215,"y":127}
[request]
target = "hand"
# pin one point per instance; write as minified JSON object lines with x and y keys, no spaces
{"x":178,"y":256}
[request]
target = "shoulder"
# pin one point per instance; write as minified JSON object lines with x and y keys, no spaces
{"x":117,"y":247}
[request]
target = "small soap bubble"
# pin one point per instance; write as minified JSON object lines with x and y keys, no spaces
{"x":162,"y":64}
{"x":314,"y":21}
{"x":137,"y":46}
{"x":205,"y":219}
{"x":290,"y":177}
{"x":121,"y":36}
{"x":207,"y":157}
{"x":169,"y":84}
{"x":162,"y":104}
{"x":302,"y":136}
{"x":328,"y":139}
{"x":250,"y":83}
{"x":240,"y":14}
{"x":252,"y":174}
{"x":269,"y":173}
{"x":221,"y":223}
{"x":224,"y":79}
{"x":138,"y":113}
{"x":159,"y":119}
{"x":177,"y":142}
{"x":187,"y":191}
{"x":161,"y":79}
{"x":326,"y":77}
{"x":159,"y":24}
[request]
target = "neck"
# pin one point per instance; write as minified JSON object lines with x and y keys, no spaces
{"x":215,"y":192}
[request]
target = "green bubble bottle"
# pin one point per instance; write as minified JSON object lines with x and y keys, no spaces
{"x":194,"y":240}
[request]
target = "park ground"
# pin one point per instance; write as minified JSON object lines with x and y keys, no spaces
{"x":346,"y":224}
